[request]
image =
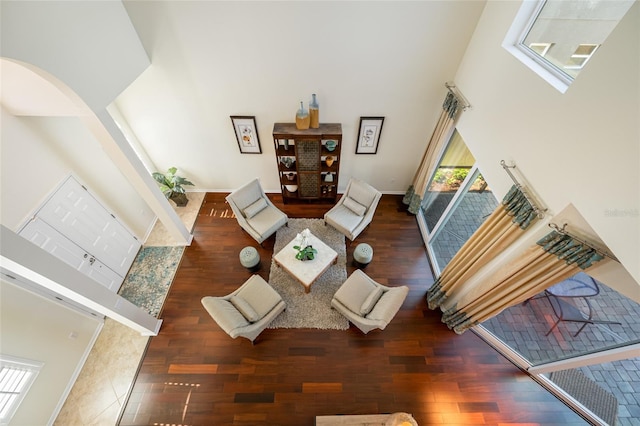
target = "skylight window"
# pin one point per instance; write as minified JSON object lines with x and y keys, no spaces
{"x":16,"y":376}
{"x":556,"y":38}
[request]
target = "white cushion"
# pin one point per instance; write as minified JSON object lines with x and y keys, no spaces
{"x":354,"y":206}
{"x":371,"y":301}
{"x":343,"y":219}
{"x":224,"y":313}
{"x":362,"y":193}
{"x":389,"y":304}
{"x":354,"y":291}
{"x":254,"y":208}
{"x":260,"y":295}
{"x":245,"y":308}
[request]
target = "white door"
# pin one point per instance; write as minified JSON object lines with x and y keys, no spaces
{"x":75,"y":213}
{"x":47,"y":238}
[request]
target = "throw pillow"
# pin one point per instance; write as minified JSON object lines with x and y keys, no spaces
{"x":371,"y":301}
{"x":254,"y":208}
{"x":361,"y":193}
{"x":260,"y":295}
{"x":354,"y":206}
{"x":245,"y":308}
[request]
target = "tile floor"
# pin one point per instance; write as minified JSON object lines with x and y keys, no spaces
{"x":99,"y":393}
{"x":523,"y":327}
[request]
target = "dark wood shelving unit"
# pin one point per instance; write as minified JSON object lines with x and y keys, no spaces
{"x":307,"y":151}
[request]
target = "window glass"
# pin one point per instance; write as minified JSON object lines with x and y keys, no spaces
{"x":16,"y":375}
{"x":557,"y":38}
{"x":573,"y":30}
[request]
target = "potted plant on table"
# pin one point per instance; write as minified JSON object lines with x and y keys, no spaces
{"x":305,"y":251}
{"x":171,"y":186}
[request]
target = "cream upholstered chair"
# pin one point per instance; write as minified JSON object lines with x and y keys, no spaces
{"x":255,"y":213}
{"x":355,"y":209}
{"x":366,"y":303}
{"x":247,"y":311}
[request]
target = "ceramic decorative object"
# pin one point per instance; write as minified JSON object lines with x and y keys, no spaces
{"x":286,"y":144}
{"x":290,"y":176}
{"x":291,"y":188}
{"x":302,"y":118}
{"x":328,"y":177}
{"x":329,"y":160}
{"x":314,"y":112}
{"x":287,"y":161}
{"x":330,"y":145}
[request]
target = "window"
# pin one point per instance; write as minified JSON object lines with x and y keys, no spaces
{"x":556,"y":38}
{"x":16,"y":376}
{"x":455,"y":204}
{"x":581,"y":56}
{"x":540,"y":48}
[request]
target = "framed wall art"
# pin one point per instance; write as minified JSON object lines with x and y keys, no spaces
{"x":246,"y":134}
{"x":369,"y":135}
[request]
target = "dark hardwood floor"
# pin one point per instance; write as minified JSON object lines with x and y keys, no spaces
{"x":195,"y":374}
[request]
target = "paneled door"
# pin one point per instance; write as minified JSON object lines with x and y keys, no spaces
{"x":47,"y":238}
{"x":80,"y":217}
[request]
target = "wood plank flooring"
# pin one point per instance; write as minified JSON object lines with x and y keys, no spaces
{"x":195,"y":374}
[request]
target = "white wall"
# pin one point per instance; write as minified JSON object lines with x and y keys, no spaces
{"x":580,"y":148}
{"x":39,"y":152}
{"x":37,"y":329}
{"x":211,"y":60}
{"x":91,"y":46}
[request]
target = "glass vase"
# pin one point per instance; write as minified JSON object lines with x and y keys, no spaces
{"x":314,"y":112}
{"x":302,"y":118}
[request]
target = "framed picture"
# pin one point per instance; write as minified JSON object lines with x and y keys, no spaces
{"x":369,"y":135}
{"x":246,"y":134}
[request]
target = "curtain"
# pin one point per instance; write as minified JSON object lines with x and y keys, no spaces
{"x":554,"y":258}
{"x":444,"y":127}
{"x":496,"y":233}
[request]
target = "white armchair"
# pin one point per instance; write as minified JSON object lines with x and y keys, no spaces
{"x":367,"y":304}
{"x":255,"y":212}
{"x":355,"y":209}
{"x":247,"y":311}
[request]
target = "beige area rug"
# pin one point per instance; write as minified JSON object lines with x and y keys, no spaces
{"x":313,"y":309}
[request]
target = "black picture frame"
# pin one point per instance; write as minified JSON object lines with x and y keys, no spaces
{"x":246,"y":132}
{"x":369,"y":135}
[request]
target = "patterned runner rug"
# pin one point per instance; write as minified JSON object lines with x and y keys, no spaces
{"x":148,"y":281}
{"x":313,"y":309}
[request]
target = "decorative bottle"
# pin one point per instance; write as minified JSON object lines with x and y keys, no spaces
{"x":302,"y":118}
{"x":314,"y":112}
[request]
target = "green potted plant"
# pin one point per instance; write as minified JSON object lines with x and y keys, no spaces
{"x":305,"y":251}
{"x":171,"y":186}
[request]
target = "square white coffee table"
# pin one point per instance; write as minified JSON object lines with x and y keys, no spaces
{"x":307,"y":271}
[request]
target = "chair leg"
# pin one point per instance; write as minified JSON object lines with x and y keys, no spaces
{"x":554,"y":326}
{"x":582,"y":328}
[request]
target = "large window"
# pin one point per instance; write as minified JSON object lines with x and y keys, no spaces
{"x":455,"y":204}
{"x":556,"y":38}
{"x":16,"y":376}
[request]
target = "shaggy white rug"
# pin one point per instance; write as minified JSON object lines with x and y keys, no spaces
{"x":313,"y":309}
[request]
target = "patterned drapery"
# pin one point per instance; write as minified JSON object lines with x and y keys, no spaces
{"x":501,"y":229}
{"x":444,"y":127}
{"x":554,"y":258}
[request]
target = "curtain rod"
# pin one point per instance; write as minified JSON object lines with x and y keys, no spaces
{"x":562,"y":231}
{"x":534,"y":205}
{"x":456,"y":92}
